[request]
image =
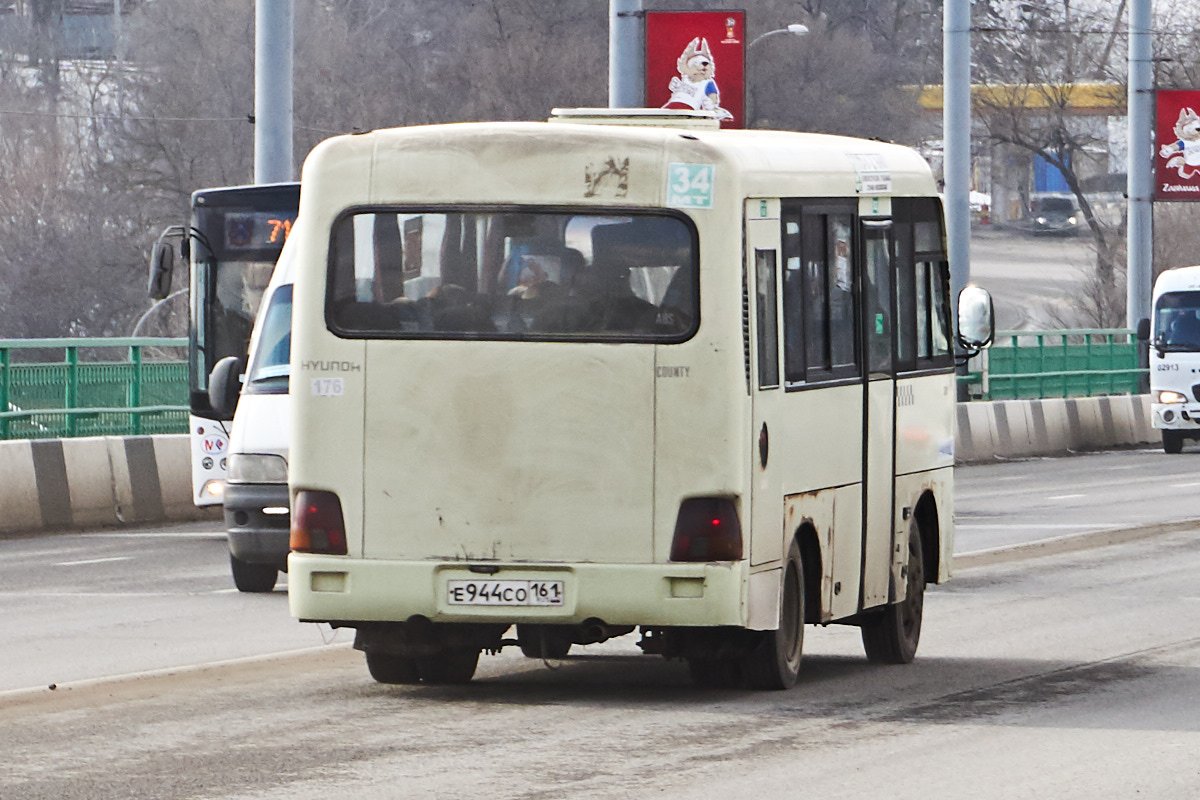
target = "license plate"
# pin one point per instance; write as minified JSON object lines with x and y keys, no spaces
{"x":504,"y":593}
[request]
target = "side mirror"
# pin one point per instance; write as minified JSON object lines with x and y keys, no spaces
{"x":225,"y":385}
{"x":1143,"y":329}
{"x":976,"y":319}
{"x":162,"y":264}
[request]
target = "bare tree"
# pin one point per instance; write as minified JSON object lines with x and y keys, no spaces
{"x":1033,"y":57}
{"x":97,"y":160}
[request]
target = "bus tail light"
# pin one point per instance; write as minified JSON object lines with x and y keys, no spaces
{"x":318,"y":525}
{"x":707,"y":529}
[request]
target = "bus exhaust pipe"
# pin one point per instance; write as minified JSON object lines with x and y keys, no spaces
{"x":595,"y":631}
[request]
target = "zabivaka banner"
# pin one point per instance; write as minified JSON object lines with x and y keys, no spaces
{"x":696,"y":60}
{"x":1177,"y":132}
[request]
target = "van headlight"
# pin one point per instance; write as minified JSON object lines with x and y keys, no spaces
{"x":1171,"y":397}
{"x":257,"y":468}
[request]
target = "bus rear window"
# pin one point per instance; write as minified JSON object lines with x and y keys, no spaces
{"x":513,"y":275}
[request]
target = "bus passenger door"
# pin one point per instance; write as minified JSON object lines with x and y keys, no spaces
{"x":879,"y":426}
{"x":766,"y":386}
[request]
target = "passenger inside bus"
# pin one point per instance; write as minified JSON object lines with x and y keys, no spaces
{"x":513,"y":274}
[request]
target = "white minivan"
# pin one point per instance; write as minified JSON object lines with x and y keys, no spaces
{"x":256,"y":493}
{"x":1175,"y":357}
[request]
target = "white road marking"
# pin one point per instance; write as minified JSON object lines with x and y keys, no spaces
{"x":93,"y":561}
{"x":1030,"y":527}
{"x":159,"y":534}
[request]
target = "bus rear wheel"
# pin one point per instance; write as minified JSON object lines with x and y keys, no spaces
{"x":452,"y":665}
{"x":1172,"y":442}
{"x":389,"y":668}
{"x":891,"y":636}
{"x":775,"y":662}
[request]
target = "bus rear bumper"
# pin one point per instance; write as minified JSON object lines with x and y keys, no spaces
{"x":345,"y":590}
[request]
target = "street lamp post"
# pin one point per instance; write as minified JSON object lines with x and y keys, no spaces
{"x":795,"y":29}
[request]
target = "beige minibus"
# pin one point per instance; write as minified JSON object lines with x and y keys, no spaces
{"x":620,"y":373}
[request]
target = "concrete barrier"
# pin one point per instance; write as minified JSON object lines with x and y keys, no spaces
{"x":50,"y":484}
{"x":1026,"y":428}
{"x":63,"y":484}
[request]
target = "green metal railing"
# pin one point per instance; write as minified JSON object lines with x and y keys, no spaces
{"x":1083,"y":362}
{"x":145,"y":392}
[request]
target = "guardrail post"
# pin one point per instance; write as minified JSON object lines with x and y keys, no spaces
{"x":72,"y":399}
{"x":135,"y":387}
{"x":4,"y":383}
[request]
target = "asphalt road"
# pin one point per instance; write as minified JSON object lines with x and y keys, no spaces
{"x":1035,"y":281}
{"x":1066,"y":675}
{"x":96,"y":604}
{"x":1071,"y":676}
{"x":1042,"y":500}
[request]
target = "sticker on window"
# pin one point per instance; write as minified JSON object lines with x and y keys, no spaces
{"x":328,"y":387}
{"x":690,"y":185}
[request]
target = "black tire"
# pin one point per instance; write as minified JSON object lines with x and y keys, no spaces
{"x":388,"y":668}
{"x":455,"y":665}
{"x":250,"y":577}
{"x":543,"y":641}
{"x":891,"y":636}
{"x":1172,"y":442}
{"x":775,"y":662}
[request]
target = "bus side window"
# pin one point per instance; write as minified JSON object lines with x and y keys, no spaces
{"x":793,"y":300}
{"x":816,"y":292}
{"x":906,"y":299}
{"x":768,"y":324}
{"x":922,"y":291}
{"x":842,"y":319}
{"x":821,"y":335}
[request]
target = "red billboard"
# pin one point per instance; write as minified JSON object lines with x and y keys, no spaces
{"x":1177,"y":132}
{"x":697,"y":60}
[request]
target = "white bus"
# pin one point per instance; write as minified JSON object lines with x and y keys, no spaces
{"x":231,"y":242}
{"x":613,"y":373}
{"x":1175,"y":357}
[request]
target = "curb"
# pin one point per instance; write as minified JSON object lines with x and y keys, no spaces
{"x":1069,"y":544}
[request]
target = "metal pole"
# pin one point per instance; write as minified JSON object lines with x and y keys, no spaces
{"x":956,"y":120}
{"x":1140,"y":241}
{"x":273,"y":91}
{"x":626,"y":59}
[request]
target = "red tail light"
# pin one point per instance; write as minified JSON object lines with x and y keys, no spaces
{"x":317,"y":525}
{"x":707,"y":529}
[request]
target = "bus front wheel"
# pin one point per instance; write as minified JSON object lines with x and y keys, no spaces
{"x":1172,"y":442}
{"x":890,"y":636}
{"x":775,"y":662}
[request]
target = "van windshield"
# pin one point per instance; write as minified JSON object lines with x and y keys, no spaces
{"x":269,"y":362}
{"x":513,"y":274}
{"x":1177,"y":321}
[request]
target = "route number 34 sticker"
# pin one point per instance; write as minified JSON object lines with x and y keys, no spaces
{"x":690,"y":185}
